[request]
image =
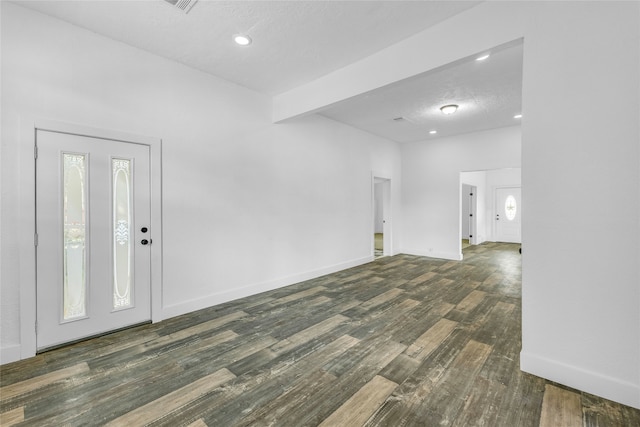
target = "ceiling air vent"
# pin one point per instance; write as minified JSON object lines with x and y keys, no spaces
{"x":183,"y":5}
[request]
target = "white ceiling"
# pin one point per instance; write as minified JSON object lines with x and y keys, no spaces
{"x":295,"y":42}
{"x":488,"y":92}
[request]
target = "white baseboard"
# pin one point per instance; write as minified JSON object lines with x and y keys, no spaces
{"x":433,"y":254}
{"x":10,"y":353}
{"x":245,"y":291}
{"x":591,"y":382}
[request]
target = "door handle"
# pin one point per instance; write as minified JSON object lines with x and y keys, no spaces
{"x":145,"y":242}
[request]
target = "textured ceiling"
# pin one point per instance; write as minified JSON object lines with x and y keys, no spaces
{"x":294,"y":42}
{"x":488,"y":92}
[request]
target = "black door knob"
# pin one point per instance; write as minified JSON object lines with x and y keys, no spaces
{"x":144,"y":229}
{"x":144,"y":242}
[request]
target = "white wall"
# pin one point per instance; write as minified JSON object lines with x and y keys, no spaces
{"x":431,"y":185}
{"x":247,"y":205}
{"x":581,"y":178}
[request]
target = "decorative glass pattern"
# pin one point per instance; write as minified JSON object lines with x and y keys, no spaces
{"x":510,"y":208}
{"x":75,"y":232}
{"x":122,"y":283}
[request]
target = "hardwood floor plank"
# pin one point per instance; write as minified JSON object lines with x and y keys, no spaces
{"x":180,"y":330}
{"x":560,"y":408}
{"x":198,"y":423}
{"x":308,"y":334}
{"x":77,"y":402}
{"x":599,"y":412}
{"x":299,"y":395}
{"x":479,"y":408}
{"x":298,"y":295}
{"x":263,"y":385}
{"x":425,"y":277}
{"x":370,"y":360}
{"x":172,"y":401}
{"x":362,"y":405}
{"x":460,"y":375}
{"x":400,"y":368}
{"x":250,"y":393}
{"x":431,"y":339}
{"x":382,"y":298}
{"x":522,"y":400}
{"x":10,"y":391}
{"x":377,"y":320}
{"x":12,"y":417}
{"x":471,"y":301}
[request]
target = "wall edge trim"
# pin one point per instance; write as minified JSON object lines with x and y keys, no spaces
{"x":453,"y":256}
{"x":256,"y":288}
{"x":10,"y":353}
{"x":585,"y":380}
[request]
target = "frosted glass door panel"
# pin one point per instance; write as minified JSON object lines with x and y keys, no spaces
{"x":74,"y":198}
{"x":122,"y":254}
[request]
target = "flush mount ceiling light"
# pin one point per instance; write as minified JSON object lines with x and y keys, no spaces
{"x":242,"y":39}
{"x":483,"y":57}
{"x":433,"y":132}
{"x":449,"y":109}
{"x":517,"y":116}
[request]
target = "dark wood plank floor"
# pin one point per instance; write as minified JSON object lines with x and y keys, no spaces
{"x":402,"y":341}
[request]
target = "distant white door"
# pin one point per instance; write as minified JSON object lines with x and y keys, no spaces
{"x":382,"y":200}
{"x":508,"y":214}
{"x":473,"y":215}
{"x":93,"y":244}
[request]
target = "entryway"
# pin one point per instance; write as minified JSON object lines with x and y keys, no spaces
{"x":381,"y":217}
{"x":93,"y":225}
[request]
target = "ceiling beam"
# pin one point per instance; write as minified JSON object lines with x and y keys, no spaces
{"x":468,"y":33}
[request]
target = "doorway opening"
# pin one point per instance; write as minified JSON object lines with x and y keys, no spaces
{"x":381,"y":217}
{"x":482,"y":215}
{"x":469,"y":216}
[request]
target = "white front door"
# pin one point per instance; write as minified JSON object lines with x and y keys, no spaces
{"x":93,"y":236}
{"x":508,"y":213}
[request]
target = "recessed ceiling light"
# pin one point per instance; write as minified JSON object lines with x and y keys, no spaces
{"x":517,"y":116}
{"x":242,"y":40}
{"x":482,"y":58}
{"x":449,"y":109}
{"x":433,"y":132}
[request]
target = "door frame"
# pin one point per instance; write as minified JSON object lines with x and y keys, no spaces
{"x":29,"y":128}
{"x":387,"y":228}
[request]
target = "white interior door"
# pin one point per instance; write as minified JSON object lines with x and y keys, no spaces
{"x":382,"y":212}
{"x":508,"y":213}
{"x":93,"y":237}
{"x":473,"y":215}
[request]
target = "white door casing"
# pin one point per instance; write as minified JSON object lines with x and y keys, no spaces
{"x":93,"y":272}
{"x":508,"y":211}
